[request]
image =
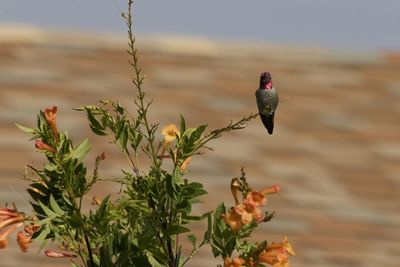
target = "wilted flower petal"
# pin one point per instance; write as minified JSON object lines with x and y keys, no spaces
{"x":31,"y":228}
{"x":185,"y":163}
{"x":96,"y":201}
{"x":54,"y":254}
{"x":23,"y":241}
{"x":235,"y":188}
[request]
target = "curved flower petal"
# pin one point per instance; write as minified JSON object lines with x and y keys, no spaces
{"x":23,"y":241}
{"x":170,"y":132}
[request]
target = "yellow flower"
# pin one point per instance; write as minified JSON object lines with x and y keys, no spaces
{"x":276,"y":254}
{"x":170,"y":132}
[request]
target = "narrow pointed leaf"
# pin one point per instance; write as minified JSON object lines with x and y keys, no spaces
{"x":176,"y":229}
{"x":81,"y":151}
{"x":55,"y":207}
{"x":25,"y":129}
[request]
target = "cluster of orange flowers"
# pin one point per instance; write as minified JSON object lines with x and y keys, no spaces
{"x":275,"y":254}
{"x":247,"y":211}
{"x":10,"y":220}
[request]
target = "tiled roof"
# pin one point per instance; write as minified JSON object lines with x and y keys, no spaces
{"x":335,"y":150}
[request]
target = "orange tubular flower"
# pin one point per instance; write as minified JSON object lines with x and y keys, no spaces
{"x":233,"y":219}
{"x":245,"y":212}
{"x":4,"y":235}
{"x":8,"y":212}
{"x":51,"y":115}
{"x":23,"y":241}
{"x":6,"y":221}
{"x":236,"y":262}
{"x":255,"y":199}
{"x":277,"y":254}
{"x":54,"y":254}
{"x":9,"y":217}
{"x":43,"y":146}
{"x":271,"y":190}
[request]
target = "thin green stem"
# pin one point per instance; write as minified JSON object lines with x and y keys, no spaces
{"x":137,"y":80}
{"x":88,"y":248}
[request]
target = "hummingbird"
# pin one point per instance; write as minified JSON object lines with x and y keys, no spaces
{"x":267,"y":101}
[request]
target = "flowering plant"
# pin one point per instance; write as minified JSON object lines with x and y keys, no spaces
{"x":144,"y":224}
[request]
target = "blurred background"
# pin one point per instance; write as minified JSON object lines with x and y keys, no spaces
{"x":335,"y":150}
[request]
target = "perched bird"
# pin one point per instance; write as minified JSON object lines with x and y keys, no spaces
{"x":267,"y":101}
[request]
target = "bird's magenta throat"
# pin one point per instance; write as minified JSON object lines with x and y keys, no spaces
{"x":268,"y":85}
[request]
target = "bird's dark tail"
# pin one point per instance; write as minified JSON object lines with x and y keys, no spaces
{"x":268,"y":122}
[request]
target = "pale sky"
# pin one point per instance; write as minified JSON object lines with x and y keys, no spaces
{"x":354,"y":24}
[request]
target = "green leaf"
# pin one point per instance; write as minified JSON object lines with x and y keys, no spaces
{"x":42,"y":233}
{"x":182,"y":124}
{"x":199,"y":130}
{"x":25,"y":129}
{"x":76,"y":221}
{"x":101,"y":212}
{"x":170,"y":186}
{"x":175,"y":229}
{"x":94,"y":124}
{"x":97,"y":131}
{"x":81,"y":151}
{"x":183,"y":206}
{"x":47,"y":211}
{"x":54,"y":206}
{"x":35,"y":195}
{"x":119,"y":108}
{"x":152,"y":255}
{"x":208,"y":233}
{"x":192,"y":239}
